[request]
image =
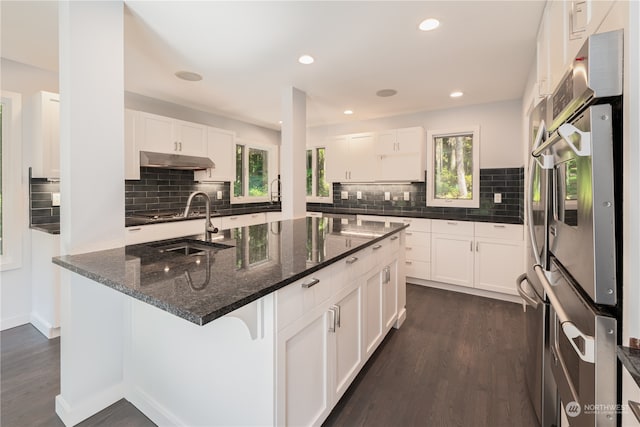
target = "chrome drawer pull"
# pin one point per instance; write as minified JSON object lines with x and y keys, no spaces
{"x":352,"y":260}
{"x":499,"y":226}
{"x":377,"y":247}
{"x":409,"y":234}
{"x":135,"y":229}
{"x":408,"y":248}
{"x":310,"y":283}
{"x":408,"y":262}
{"x":452,"y":223}
{"x":394,"y":238}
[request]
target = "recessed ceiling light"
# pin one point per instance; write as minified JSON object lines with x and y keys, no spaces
{"x":456,"y":94}
{"x":348,"y":112}
{"x":279,"y":121}
{"x":306,"y":59}
{"x":189,"y":76}
{"x":386,"y":92}
{"x":429,"y":24}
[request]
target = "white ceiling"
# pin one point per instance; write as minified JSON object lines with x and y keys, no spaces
{"x":247,"y":53}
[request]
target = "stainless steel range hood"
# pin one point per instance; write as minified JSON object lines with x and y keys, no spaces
{"x":174,"y":161}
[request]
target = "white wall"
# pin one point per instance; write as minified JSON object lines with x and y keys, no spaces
{"x":15,"y":285}
{"x":500,"y":129}
{"x":243,"y":130}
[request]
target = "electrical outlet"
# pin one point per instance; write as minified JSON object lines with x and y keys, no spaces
{"x":359,"y":195}
{"x":219,"y":195}
{"x":387,"y":195}
{"x":407,"y":196}
{"x":344,"y":195}
{"x":55,"y":199}
{"x":497,"y":197}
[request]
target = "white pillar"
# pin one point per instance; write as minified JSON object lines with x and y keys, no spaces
{"x":91,"y":39}
{"x":292,"y":153}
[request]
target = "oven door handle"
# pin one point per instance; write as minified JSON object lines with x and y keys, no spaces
{"x":524,"y":293}
{"x":568,"y":327}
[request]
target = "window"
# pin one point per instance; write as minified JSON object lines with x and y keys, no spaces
{"x":318,"y":189}
{"x":10,"y":165}
{"x":253,"y":173}
{"x":453,"y":168}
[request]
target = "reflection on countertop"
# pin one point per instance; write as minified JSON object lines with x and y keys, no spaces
{"x":201,"y":285}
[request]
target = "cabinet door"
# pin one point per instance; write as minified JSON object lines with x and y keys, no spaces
{"x":131,"y":154}
{"x":338,"y":159}
{"x":387,"y":142}
{"x":191,"y":138}
{"x":452,"y":259}
{"x":558,"y":40}
{"x":497,"y":264}
{"x":400,"y":167}
{"x":303,"y":373}
{"x":348,"y":339}
{"x":155,"y":133}
{"x":373,"y":313}
{"x":363,"y":161}
{"x":389,"y":294}
{"x":411,"y":140}
{"x":51,"y":129}
{"x":221,"y":146}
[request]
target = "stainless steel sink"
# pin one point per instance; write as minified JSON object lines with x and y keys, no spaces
{"x":191,"y":246}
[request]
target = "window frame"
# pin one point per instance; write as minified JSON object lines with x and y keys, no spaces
{"x":272,"y":168}
{"x":474,"y":202}
{"x":12,"y":219}
{"x":314,"y":198}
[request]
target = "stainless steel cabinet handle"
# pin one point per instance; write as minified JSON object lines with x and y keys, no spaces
{"x":499,"y":226}
{"x":471,"y":245}
{"x":332,"y":323}
{"x":135,"y":229}
{"x":393,"y":238}
{"x":477,"y":246}
{"x":408,"y":234}
{"x":337,"y":316}
{"x":180,"y":145}
{"x":233,"y":218}
{"x":310,"y":283}
{"x":452,"y":223}
{"x":345,"y":174}
{"x":408,"y":248}
{"x":376,"y":247}
{"x":352,"y":259}
{"x":408,"y":262}
{"x":175,"y":145}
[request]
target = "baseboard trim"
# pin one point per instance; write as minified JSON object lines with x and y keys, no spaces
{"x":463,"y":289}
{"x":402,"y":316}
{"x":152,"y":409}
{"x":45,"y":328}
{"x":72,"y":415}
{"x":14,"y":321}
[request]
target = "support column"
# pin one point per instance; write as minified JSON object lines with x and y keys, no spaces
{"x":91,"y":41}
{"x":292,"y":153}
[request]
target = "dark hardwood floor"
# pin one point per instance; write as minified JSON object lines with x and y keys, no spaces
{"x":457,"y":361}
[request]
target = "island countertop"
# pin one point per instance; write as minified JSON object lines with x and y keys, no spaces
{"x":246,"y":264}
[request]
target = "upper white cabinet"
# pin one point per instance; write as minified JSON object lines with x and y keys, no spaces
{"x":166,"y":135}
{"x":221,"y":146}
{"x":44,"y":117}
{"x":393,"y":155}
{"x":351,"y":158}
{"x":131,"y":153}
{"x":402,"y":154}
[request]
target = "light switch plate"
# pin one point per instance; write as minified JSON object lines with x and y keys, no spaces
{"x":219,"y":195}
{"x":359,"y":195}
{"x":344,"y":195}
{"x":497,"y":197}
{"x":407,"y":196}
{"x":387,"y":195}
{"x":55,"y":199}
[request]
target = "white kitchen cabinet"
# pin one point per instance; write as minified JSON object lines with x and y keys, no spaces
{"x":402,"y":154}
{"x":233,"y":221}
{"x":558,"y":34}
{"x":131,"y":152}
{"x":542,"y":56}
{"x":166,"y":230}
{"x":45,"y":283}
{"x":352,"y":158}
{"x":346,"y":343}
{"x":498,"y":256}
{"x":221,"y":149}
{"x":389,"y":281}
{"x":167,"y":135}
{"x":452,"y":259}
{"x":44,"y":130}
{"x":372,"y":312}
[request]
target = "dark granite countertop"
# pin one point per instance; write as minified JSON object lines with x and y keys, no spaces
{"x":630,"y":358}
{"x":47,"y":228}
{"x":202,"y":287}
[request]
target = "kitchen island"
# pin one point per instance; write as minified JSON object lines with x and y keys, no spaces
{"x":266,"y":325}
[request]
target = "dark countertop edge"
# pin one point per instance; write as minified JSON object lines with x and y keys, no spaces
{"x":207,"y":318}
{"x":409,"y":214}
{"x":140,"y":222}
{"x":630,"y":358}
{"x":46,"y":228}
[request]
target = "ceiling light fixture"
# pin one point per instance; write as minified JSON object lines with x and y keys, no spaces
{"x":348,"y":112}
{"x":189,"y":76}
{"x":386,"y":92}
{"x":456,"y":94}
{"x":429,"y":24}
{"x":306,"y":59}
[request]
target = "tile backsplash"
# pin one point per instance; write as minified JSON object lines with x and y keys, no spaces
{"x":41,"y":206}
{"x":509,"y":182}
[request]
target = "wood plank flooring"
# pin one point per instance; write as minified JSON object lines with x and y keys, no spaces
{"x":457,"y":361}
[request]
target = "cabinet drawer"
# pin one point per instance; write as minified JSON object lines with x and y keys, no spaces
{"x":460,"y":228}
{"x":418,"y":269}
{"x":415,"y":224}
{"x":499,"y":231}
{"x":374,"y":218}
{"x":418,"y":253}
{"x":243,"y":220}
{"x":414,"y":238}
{"x":298,"y":298}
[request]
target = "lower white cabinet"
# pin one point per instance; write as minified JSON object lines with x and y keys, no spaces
{"x":234,"y":221}
{"x":329,"y":323}
{"x":452,"y":259}
{"x":45,"y":283}
{"x":166,"y":230}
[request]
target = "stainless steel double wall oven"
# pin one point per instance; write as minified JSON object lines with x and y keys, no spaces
{"x":579,"y":269}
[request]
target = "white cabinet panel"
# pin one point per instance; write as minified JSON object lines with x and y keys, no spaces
{"x":166,"y":230}
{"x":497,"y":264}
{"x":452,"y":259}
{"x":44,"y":118}
{"x":373,"y":313}
{"x":348,"y":339}
{"x":362,"y":158}
{"x":45,"y":283}
{"x":460,"y":228}
{"x":402,"y":154}
{"x":131,"y":152}
{"x":233,"y":221}
{"x":302,"y":296}
{"x":389,"y":294}
{"x":191,"y":138}
{"x":221,"y":146}
{"x":166,"y":135}
{"x":418,"y":269}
